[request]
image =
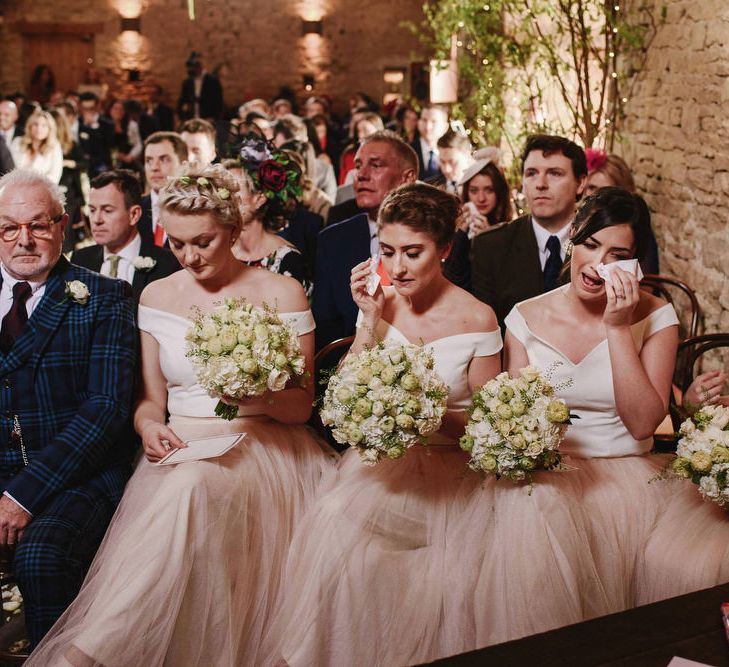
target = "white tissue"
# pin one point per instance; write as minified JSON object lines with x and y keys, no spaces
{"x":373,"y":280}
{"x":628,"y":265}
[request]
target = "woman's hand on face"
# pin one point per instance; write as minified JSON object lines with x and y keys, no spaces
{"x":370,"y":305}
{"x":157,"y":440}
{"x":705,"y":389}
{"x":474,"y":221}
{"x":623,"y":296}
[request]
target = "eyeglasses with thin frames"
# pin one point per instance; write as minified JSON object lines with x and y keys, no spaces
{"x":38,"y":229}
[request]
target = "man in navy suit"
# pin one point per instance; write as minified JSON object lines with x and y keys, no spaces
{"x":383,"y":162}
{"x":164,"y":152}
{"x":68,"y":357}
{"x":201,"y":95}
{"x":517,"y":260}
{"x":114,"y":210}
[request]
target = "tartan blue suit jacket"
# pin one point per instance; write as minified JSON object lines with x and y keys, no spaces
{"x":69,"y":378}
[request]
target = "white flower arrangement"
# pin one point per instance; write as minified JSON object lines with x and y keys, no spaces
{"x":144,"y":263}
{"x":77,"y":291}
{"x":702,"y":454}
{"x":516,"y":426}
{"x":384,"y":400}
{"x":240,"y":350}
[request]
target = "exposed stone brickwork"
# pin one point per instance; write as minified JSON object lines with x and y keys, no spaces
{"x":256,"y":47}
{"x":677,"y":142}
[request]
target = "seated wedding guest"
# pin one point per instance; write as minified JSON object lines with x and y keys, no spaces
{"x":281,"y":107}
{"x":199,"y":135}
{"x":368,"y":579}
{"x":432,"y":125}
{"x":484,"y":186}
{"x":519,"y":260}
{"x":95,"y":134}
{"x":608,"y":349}
{"x":406,"y":123}
{"x":313,"y":199}
{"x":120,"y":252}
{"x":8,"y":121}
{"x":38,"y":149}
{"x":68,"y":344}
{"x":363,"y":124}
{"x":303,"y":226}
{"x":454,"y":155}
{"x":164,"y":153}
{"x":192,"y":563}
{"x":264,"y":212}
{"x":126,"y":143}
{"x":384,"y":162}
{"x":42,"y":84}
{"x":485,"y":194}
{"x":73,"y":181}
{"x":164,"y":117}
{"x":604,"y":170}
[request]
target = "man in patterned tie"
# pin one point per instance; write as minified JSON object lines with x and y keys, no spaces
{"x":67,"y":367}
{"x":517,"y":260}
{"x":121,"y":252}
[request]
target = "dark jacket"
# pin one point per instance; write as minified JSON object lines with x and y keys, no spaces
{"x":505,"y":266}
{"x":339,"y":249}
{"x":211,"y":98}
{"x":92,"y":257}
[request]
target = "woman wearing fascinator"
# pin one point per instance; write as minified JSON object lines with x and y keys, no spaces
{"x":486,"y":202}
{"x":270,"y":187}
{"x":191,"y":565}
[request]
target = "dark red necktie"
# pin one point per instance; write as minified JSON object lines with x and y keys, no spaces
{"x":17,"y":316}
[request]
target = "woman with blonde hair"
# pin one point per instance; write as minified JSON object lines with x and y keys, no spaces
{"x":191,"y":565}
{"x":39,"y":149}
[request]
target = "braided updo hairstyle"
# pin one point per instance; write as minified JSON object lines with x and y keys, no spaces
{"x":196,"y":190}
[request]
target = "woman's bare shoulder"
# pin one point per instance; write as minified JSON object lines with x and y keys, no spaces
{"x":160,"y":293}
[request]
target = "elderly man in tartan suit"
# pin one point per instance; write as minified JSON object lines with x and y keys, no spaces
{"x":68,"y":351}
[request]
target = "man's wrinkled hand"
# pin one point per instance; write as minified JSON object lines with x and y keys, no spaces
{"x":13,"y":521}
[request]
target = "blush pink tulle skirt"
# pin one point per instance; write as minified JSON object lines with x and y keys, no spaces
{"x":419,"y":558}
{"x":190,"y":568}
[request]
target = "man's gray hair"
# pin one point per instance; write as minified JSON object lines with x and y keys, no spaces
{"x":27,"y":178}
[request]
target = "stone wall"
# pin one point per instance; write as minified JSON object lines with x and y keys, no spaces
{"x":677,"y":142}
{"x":256,"y":47}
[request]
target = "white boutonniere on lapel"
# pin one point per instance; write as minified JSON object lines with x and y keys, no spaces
{"x":83,"y":135}
{"x":144,"y":263}
{"x":77,"y":291}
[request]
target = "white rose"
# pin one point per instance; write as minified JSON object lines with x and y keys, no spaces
{"x":78,"y":291}
{"x":144,"y":263}
{"x":277,"y":380}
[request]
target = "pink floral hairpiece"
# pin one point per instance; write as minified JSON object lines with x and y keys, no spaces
{"x":596,"y":159}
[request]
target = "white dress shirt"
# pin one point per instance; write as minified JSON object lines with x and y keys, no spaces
{"x":543,"y":236}
{"x":8,"y":135}
{"x":6,"y":302}
{"x":425,"y":150}
{"x":127,"y":255}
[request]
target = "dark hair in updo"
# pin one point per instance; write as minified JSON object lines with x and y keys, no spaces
{"x":423,"y":208}
{"x":609,"y":207}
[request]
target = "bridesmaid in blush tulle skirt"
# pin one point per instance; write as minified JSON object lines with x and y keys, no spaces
{"x":370,"y":574}
{"x":190,"y":569}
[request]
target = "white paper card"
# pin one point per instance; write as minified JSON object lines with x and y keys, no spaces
{"x":628,"y":265}
{"x":202,"y":448}
{"x":682,"y":662}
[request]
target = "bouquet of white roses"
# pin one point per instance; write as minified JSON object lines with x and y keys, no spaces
{"x":516,"y":426}
{"x":241,"y":350}
{"x":703,"y":452}
{"x":384,"y":400}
